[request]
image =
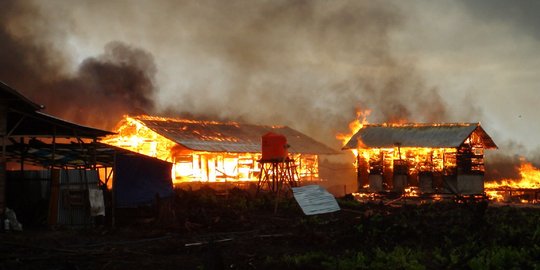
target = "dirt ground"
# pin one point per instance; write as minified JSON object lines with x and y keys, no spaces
{"x":209,"y":230}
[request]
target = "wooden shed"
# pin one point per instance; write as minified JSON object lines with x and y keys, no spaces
{"x":444,"y":157}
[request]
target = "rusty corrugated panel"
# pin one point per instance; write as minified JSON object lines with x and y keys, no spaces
{"x":229,"y":137}
{"x":73,"y":204}
{"x":417,"y":135}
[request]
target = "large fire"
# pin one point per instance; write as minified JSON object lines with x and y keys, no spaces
{"x":354,"y":126}
{"x":525,"y":188}
{"x":204,"y":166}
{"x":424,"y":159}
{"x":435,"y":164}
{"x":414,"y":170}
{"x":134,"y":136}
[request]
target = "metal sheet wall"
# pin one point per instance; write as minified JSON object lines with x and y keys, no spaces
{"x":73,"y":204}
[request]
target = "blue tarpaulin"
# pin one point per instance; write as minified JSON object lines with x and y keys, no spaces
{"x":140,"y":179}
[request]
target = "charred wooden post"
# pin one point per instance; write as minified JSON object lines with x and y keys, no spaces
{"x":362,"y":172}
{"x":399,"y":179}
{"x":358,"y":172}
{"x":425,"y":173}
{"x":376,"y":169}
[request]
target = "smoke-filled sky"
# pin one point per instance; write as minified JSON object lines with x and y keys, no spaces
{"x":306,"y":64}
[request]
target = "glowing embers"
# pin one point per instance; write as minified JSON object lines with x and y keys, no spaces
{"x":226,"y":167}
{"x":414,"y":159}
{"x":426,"y":170}
{"x":216,"y":167}
{"x":354,"y":127}
{"x":524,"y":190}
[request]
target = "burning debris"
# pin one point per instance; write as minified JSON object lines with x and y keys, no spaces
{"x":524,"y":190}
{"x":210,"y":151}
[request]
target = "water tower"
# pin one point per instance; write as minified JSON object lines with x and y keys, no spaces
{"x":278,"y":170}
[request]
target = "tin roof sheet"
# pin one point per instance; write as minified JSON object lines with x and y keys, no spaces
{"x":14,"y":99}
{"x":214,"y":136}
{"x":68,"y":155}
{"x":314,"y":200}
{"x":40,"y":124}
{"x":417,"y":135}
{"x":24,"y":118}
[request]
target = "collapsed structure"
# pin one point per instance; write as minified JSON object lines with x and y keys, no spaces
{"x":436,"y":158}
{"x":211,"y":151}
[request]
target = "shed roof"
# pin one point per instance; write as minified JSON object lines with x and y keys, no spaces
{"x":16,"y":100}
{"x":67,"y":154}
{"x":446,"y":135}
{"x":215,"y":136}
{"x":40,"y":124}
{"x":24,"y":118}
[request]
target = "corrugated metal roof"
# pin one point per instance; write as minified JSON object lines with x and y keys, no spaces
{"x":24,"y":119}
{"x":314,"y":200}
{"x":417,"y":135}
{"x":40,"y":124}
{"x":68,"y":155}
{"x":214,"y":136}
{"x":16,"y":100}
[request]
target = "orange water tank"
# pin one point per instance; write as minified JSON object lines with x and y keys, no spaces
{"x":274,"y":147}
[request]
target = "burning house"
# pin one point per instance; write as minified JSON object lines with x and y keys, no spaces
{"x":213,"y":152}
{"x":435,"y":158}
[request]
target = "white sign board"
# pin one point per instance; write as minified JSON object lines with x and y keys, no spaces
{"x":314,"y":199}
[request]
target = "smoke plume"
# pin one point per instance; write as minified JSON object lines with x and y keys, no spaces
{"x":307,"y":64}
{"x":121,"y":80}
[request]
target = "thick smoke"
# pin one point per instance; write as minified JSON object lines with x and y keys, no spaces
{"x":306,"y":64}
{"x":502,"y":166}
{"x":505,"y":163}
{"x":103,"y":88}
{"x":120,"y":81}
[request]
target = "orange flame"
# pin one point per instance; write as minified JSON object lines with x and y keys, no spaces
{"x":189,"y":165}
{"x":354,"y":127}
{"x":529,"y":179}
